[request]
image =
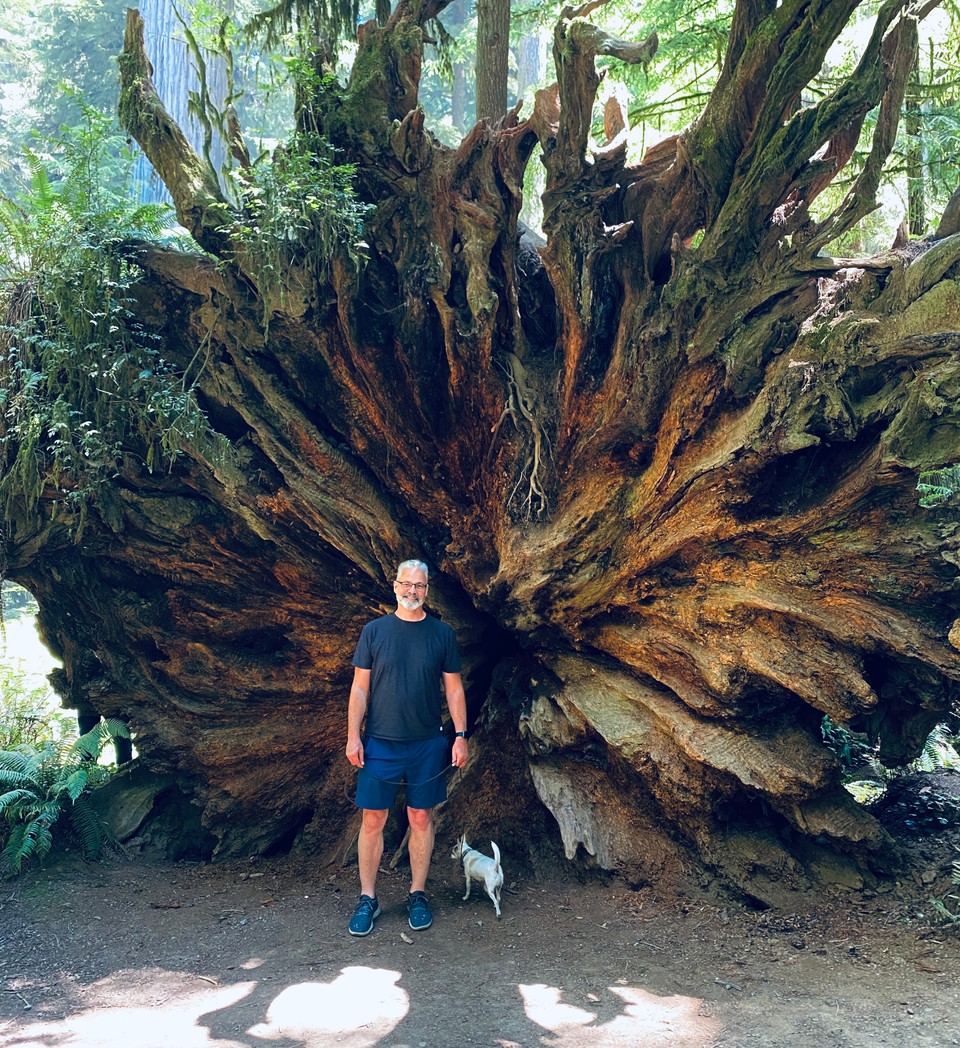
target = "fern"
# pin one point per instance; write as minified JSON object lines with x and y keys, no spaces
{"x":938,"y":487}
{"x":41,"y":784}
{"x":944,"y":913}
{"x":938,"y":752}
{"x":82,"y":385}
{"x":87,"y":826}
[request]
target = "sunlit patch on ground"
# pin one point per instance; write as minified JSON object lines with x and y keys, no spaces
{"x":645,"y":1019}
{"x":355,"y":1010}
{"x":172,"y":1025}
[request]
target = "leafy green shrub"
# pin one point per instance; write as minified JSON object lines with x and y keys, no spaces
{"x":942,"y":911}
{"x":39,"y":785}
{"x":17,"y":602}
{"x":82,"y":386}
{"x":298,"y":209}
{"x":939,"y":751}
{"x":939,"y":487}
{"x":852,"y":749}
{"x":929,"y":809}
{"x":28,"y":716}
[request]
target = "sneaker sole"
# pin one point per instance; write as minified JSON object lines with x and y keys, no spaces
{"x":419,"y":927}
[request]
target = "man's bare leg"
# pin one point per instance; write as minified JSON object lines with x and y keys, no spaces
{"x":370,"y":849}
{"x":420,"y":846}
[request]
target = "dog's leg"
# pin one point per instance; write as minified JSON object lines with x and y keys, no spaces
{"x":495,"y":899}
{"x":467,"y":876}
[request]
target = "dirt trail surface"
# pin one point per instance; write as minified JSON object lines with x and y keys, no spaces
{"x":145,"y":954}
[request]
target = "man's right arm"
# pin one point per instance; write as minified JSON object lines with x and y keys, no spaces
{"x":356,"y":711}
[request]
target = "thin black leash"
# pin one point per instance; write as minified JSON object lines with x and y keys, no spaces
{"x":402,"y":782}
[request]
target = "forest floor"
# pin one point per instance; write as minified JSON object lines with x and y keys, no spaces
{"x":141,"y":953}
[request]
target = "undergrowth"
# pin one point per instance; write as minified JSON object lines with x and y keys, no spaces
{"x":82,"y":384}
{"x":925,"y":810}
{"x":298,"y":210}
{"x":947,"y":909}
{"x":939,"y":487}
{"x":27,"y":716}
{"x":41,"y":784}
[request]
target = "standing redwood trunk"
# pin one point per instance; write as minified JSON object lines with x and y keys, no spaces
{"x":665,"y":470}
{"x":493,"y":58}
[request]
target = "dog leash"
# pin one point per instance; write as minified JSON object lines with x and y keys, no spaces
{"x":401,"y":782}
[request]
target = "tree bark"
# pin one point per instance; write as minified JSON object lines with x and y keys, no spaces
{"x":665,"y":472}
{"x":493,"y":58}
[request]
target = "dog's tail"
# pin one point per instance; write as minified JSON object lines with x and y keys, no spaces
{"x":496,"y":854}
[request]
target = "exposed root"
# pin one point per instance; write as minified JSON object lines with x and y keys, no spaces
{"x":521,"y":408}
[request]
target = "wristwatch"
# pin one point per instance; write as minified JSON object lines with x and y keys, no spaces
{"x":459,"y":734}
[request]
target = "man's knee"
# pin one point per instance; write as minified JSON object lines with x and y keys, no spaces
{"x":420,"y":818}
{"x":374,"y":820}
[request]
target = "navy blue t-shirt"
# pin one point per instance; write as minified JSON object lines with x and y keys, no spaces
{"x":406,"y":660}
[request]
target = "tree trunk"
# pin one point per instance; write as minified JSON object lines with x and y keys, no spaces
{"x":529,"y":64}
{"x":493,"y":58}
{"x":665,"y":471}
{"x":913,"y":125}
{"x":175,"y":77}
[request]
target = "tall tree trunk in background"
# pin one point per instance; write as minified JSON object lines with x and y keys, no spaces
{"x":175,"y":77}
{"x":665,"y":470}
{"x":529,"y":65}
{"x":493,"y":58}
{"x":461,"y":115}
{"x":913,"y":125}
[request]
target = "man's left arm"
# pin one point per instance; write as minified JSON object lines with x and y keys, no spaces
{"x":457,"y":705}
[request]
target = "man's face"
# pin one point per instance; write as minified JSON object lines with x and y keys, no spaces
{"x":410,"y":589}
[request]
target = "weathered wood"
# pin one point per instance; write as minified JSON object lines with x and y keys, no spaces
{"x":669,"y":490}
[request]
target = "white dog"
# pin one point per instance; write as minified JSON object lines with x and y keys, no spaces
{"x":480,"y":867}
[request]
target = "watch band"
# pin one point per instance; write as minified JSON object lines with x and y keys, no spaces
{"x":459,"y":734}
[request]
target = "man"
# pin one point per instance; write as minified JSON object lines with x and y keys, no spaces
{"x":399,"y":664}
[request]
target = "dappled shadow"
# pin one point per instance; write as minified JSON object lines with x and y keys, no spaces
{"x":362,"y":1007}
{"x":258,"y":956}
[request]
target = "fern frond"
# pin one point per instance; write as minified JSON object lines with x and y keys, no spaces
{"x":76,"y":783}
{"x":17,"y":762}
{"x":89,"y":829}
{"x":937,"y":487}
{"x":115,"y":729}
{"x":88,"y":746}
{"x":27,"y":839}
{"x":43,"y":196}
{"x":11,"y":858}
{"x":939,"y":752}
{"x":14,"y":798}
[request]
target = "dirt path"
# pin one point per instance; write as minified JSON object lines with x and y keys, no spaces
{"x":148,"y":955}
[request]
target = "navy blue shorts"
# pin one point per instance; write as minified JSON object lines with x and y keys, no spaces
{"x":420,"y":765}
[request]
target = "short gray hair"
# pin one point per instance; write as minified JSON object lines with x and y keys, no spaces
{"x":414,"y":565}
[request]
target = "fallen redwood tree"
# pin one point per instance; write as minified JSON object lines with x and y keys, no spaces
{"x":665,"y":467}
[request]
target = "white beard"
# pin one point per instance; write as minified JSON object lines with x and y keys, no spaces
{"x":410,"y":603}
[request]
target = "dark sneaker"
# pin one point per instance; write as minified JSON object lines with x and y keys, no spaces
{"x":418,"y":910}
{"x":367,"y":911}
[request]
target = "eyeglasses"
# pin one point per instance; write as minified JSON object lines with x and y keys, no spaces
{"x":420,"y":587}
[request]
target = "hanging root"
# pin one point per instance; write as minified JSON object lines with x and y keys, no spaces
{"x":521,"y":408}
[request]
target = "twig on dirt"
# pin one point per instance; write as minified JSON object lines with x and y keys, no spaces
{"x":26,"y":1004}
{"x":206,"y":978}
{"x":728,"y":985}
{"x":652,"y":945}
